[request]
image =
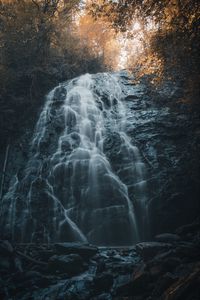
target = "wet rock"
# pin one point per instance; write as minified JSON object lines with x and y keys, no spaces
{"x":7,"y":261}
{"x":138,"y":284}
{"x":131,"y":97}
{"x":5,"y":264}
{"x":188,"y":229}
{"x":161,"y":264}
{"x":101,"y":266}
{"x":104,"y":296}
{"x":140,"y":277}
{"x":70,"y":264}
{"x":123,"y":274}
{"x":188,"y":250}
{"x":163,"y":284}
{"x":33,"y":279}
{"x":167,"y":238}
{"x":122,"y":281}
{"x":149,"y":249}
{"x":121,"y":267}
{"x":32,"y":274}
{"x":81,"y":289}
{"x":170,"y":263}
{"x":103,"y":282}
{"x":186,"y":288}
{"x":112,"y":143}
{"x":6,"y":248}
{"x":45,"y":254}
{"x":3,"y":290}
{"x":84,"y":250}
{"x":156,"y":270}
{"x":72,"y":289}
{"x":167,"y":137}
{"x":168,"y":141}
{"x":163,"y":255}
{"x":59,"y":95}
{"x":124,"y":290}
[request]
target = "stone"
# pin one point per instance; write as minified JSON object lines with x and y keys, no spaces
{"x":45,"y":254}
{"x":149,"y":249}
{"x":6,"y":256}
{"x":163,"y":283}
{"x":186,"y":288}
{"x":188,"y":250}
{"x":140,"y":276}
{"x":33,"y":278}
{"x":71,"y":264}
{"x":103,"y":282}
{"x":122,"y":280}
{"x":164,"y":262}
{"x":4,"y":264}
{"x":104,"y":296}
{"x":138,"y":284}
{"x":167,"y":238}
{"x":171,"y":263}
{"x":59,"y":95}
{"x":184,"y":230}
{"x":131,"y":97}
{"x":122,"y":267}
{"x":86,"y":251}
{"x":6,"y":248}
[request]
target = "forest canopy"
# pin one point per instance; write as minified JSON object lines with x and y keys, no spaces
{"x":40,"y":46}
{"x":44,"y":42}
{"x":171,"y":29}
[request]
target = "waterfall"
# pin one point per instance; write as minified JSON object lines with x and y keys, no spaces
{"x":74,"y":186}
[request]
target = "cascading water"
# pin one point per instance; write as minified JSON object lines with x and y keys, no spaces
{"x":74,"y":187}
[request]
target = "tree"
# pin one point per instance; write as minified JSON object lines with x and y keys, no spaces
{"x":39,"y":47}
{"x":100,"y":38}
{"x":174,"y":42}
{"x":27,"y":27}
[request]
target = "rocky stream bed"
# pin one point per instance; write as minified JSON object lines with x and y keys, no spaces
{"x":167,"y":268}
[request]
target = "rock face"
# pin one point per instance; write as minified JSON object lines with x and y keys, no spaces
{"x":111,"y":162}
{"x":74,"y":186}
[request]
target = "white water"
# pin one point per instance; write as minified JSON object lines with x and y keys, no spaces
{"x":79,"y":178}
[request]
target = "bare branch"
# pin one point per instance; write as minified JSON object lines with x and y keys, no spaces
{"x":35,"y":2}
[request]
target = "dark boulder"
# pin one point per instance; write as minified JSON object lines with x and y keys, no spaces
{"x":103,"y":282}
{"x":104,"y":296}
{"x":149,"y":249}
{"x":163,"y":284}
{"x":138,"y":284}
{"x":6,"y":248}
{"x":59,"y":95}
{"x":186,"y":288}
{"x":167,"y":238}
{"x":86,"y":251}
{"x":71,"y":264}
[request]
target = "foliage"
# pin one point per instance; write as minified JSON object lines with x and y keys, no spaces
{"x":39,"y":47}
{"x":36,"y":40}
{"x":173,"y":44}
{"x":100,"y":38}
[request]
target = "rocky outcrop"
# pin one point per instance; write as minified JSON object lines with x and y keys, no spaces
{"x":166,"y":131}
{"x":163,"y":130}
